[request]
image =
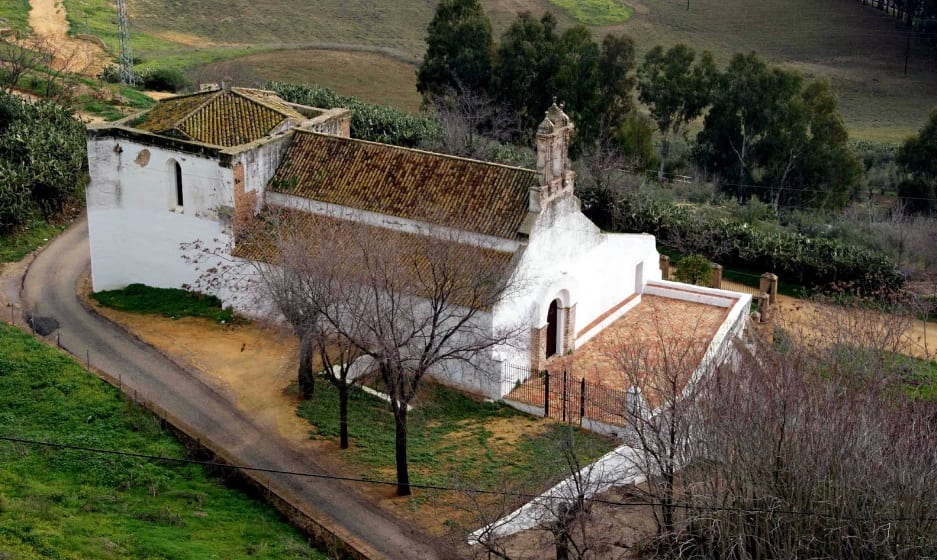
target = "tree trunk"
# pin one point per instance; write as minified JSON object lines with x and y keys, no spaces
{"x":403,"y":475}
{"x":664,"y":152}
{"x":343,"y":414}
{"x":305,"y":378}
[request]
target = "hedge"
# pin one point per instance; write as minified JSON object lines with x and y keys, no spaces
{"x":816,"y":262}
{"x":368,"y":121}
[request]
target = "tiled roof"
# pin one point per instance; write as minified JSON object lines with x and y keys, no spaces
{"x":461,"y":193}
{"x":405,"y":262}
{"x":220,"y":117}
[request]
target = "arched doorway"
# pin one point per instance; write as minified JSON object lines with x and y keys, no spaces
{"x":553,"y":324}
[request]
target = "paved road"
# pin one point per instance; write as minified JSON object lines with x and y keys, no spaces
{"x":49,"y":290}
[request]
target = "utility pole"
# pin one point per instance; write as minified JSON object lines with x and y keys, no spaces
{"x":125,"y":58}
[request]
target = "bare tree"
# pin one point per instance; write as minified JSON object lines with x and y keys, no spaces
{"x":801,"y":460}
{"x":16,"y":59}
{"x":472,"y":124}
{"x":559,"y":519}
{"x":411,"y":303}
{"x":667,"y":366}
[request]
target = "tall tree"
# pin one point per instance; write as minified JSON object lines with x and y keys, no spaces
{"x":918,"y":159}
{"x":525,"y":63}
{"x":459,"y":50}
{"x":535,"y":65}
{"x":767,"y":135}
{"x":676,"y":90}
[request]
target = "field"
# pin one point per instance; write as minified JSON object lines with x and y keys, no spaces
{"x":71,"y":504}
{"x":857,"y":48}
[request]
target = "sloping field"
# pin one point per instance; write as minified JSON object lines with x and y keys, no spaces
{"x":858,"y":48}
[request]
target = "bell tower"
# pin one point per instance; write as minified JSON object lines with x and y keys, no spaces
{"x":553,"y":135}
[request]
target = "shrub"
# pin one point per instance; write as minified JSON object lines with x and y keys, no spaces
{"x":695,"y":269}
{"x":161,"y":79}
{"x":368,"y":121}
{"x":42,"y":159}
{"x":826,"y":264}
{"x":110,"y":74}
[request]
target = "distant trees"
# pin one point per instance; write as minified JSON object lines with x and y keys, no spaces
{"x":769,"y":136}
{"x":459,"y":50}
{"x":918,"y":159}
{"x":532,"y":65}
{"x":676,"y":90}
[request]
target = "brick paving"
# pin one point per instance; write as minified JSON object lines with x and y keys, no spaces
{"x":657,"y":346}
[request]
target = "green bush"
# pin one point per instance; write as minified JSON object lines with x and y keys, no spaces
{"x":110,"y":74}
{"x":368,"y":121}
{"x":42,"y":159}
{"x":161,"y":79}
{"x":694,"y":269}
{"x":821,"y":263}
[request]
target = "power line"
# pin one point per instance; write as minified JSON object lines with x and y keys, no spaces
{"x":523,"y":495}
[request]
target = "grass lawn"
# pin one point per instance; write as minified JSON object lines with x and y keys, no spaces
{"x":16,"y":13}
{"x":919,"y":375}
{"x":24,"y":240}
{"x":168,"y":302}
{"x":453,"y":439}
{"x":595,"y":12}
{"x":70,"y":504}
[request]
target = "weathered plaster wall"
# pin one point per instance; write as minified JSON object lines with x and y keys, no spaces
{"x":570,"y":259}
{"x":134,"y":223}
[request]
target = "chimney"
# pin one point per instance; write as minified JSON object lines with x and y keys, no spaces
{"x":553,"y":135}
{"x":226,"y":83}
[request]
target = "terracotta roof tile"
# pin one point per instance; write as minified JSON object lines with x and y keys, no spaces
{"x":461,"y":193}
{"x":219,"y":117}
{"x":405,"y":257}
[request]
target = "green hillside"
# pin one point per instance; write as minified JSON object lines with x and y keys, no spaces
{"x":859,"y":49}
{"x":70,"y":504}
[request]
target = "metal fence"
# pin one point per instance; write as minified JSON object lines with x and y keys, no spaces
{"x":563,"y":397}
{"x":744,"y":282}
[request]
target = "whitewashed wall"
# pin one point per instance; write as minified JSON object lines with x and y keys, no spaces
{"x":134,"y":224}
{"x":569,"y":258}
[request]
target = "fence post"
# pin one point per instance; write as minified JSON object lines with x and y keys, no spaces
{"x":764,"y":307}
{"x":582,"y":399}
{"x":546,"y":393}
{"x":715,"y":280}
{"x":564,"y":395}
{"x":665,"y":267}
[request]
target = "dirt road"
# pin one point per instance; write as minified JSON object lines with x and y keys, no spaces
{"x":78,"y":56}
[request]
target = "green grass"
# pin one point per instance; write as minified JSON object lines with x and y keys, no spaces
{"x":856,"y":47}
{"x":168,"y":302}
{"x":16,"y":14}
{"x":595,"y":12}
{"x":101,"y":108}
{"x":135,"y":98}
{"x":26,"y":239}
{"x":920,"y":376}
{"x":448,"y":439}
{"x":70,"y":504}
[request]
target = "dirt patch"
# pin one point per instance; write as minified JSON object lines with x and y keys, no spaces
{"x":48,"y":21}
{"x":185,"y":39}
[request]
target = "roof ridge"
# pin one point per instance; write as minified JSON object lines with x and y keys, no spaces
{"x":178,"y":124}
{"x":262,"y":102}
{"x":416,"y":150}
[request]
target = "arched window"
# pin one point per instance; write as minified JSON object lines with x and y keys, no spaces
{"x":553,"y":323}
{"x":178,"y":182}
